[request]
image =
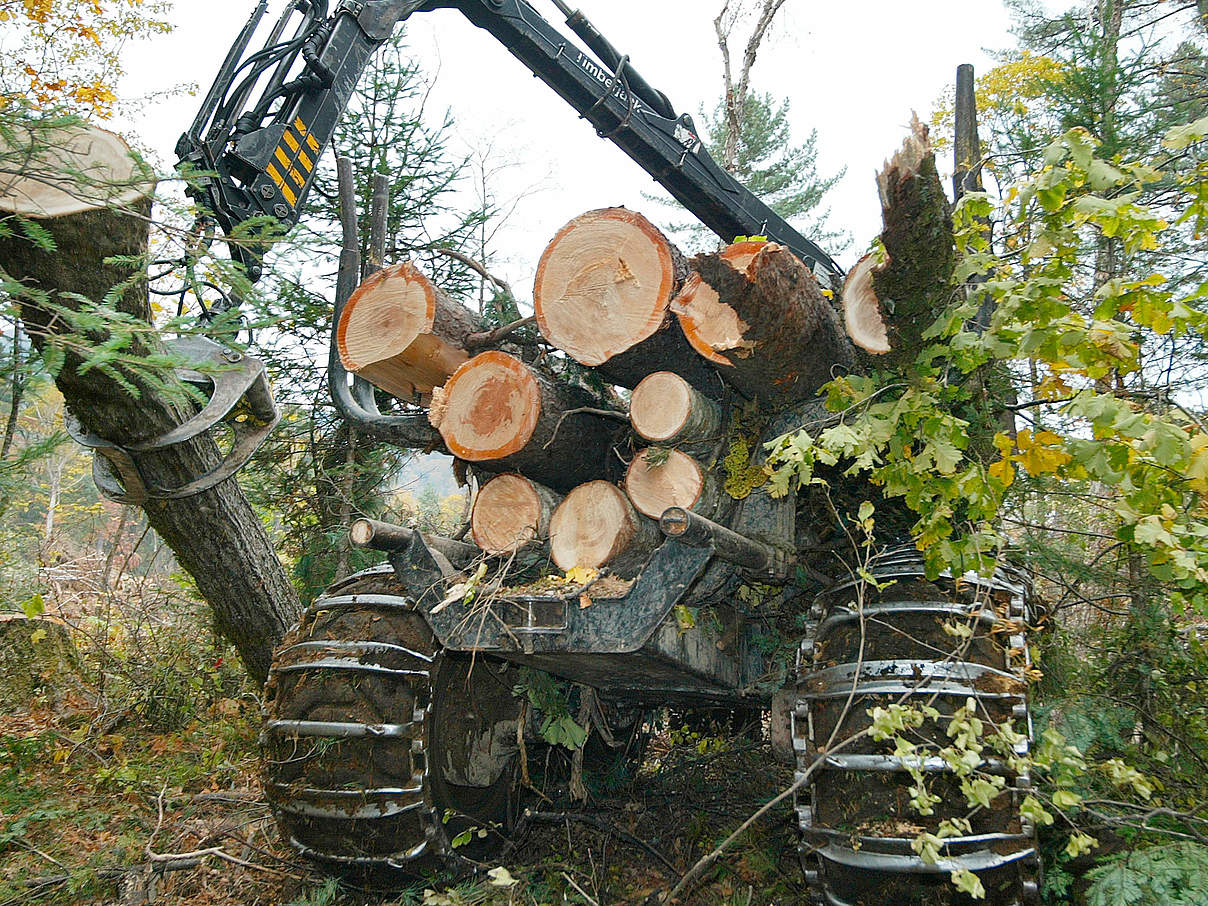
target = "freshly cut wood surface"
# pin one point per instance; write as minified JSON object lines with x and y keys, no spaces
{"x":604,"y":283}
{"x":489,"y":407}
{"x":659,"y":479}
{"x":402,"y":334}
{"x":794,"y":341}
{"x":58,"y":170}
{"x":511,"y":512}
{"x":710,"y":326}
{"x":498,"y":412}
{"x":666,"y":409}
{"x":863,"y":315}
{"x":596,"y":525}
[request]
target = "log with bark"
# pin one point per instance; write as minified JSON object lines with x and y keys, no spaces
{"x":711,"y":326}
{"x":666,"y":409}
{"x":512,"y":512}
{"x":782,"y":338}
{"x":659,"y":479}
{"x":499,"y":413}
{"x":597,"y":526}
{"x":401,"y":333}
{"x":602,"y":295}
{"x":216,"y":535}
{"x":895,"y":292}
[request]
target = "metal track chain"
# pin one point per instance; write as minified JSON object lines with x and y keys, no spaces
{"x":345,"y":739}
{"x":855,"y":819}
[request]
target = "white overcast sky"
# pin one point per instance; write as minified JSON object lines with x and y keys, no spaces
{"x":854,"y":70}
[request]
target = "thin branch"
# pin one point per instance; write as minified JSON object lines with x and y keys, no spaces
{"x":499,"y":334}
{"x":585,"y":410}
{"x":478,"y":268}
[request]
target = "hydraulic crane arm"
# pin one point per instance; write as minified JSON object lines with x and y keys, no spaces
{"x":271,"y":114}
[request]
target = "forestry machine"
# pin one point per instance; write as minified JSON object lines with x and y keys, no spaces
{"x":392,"y":724}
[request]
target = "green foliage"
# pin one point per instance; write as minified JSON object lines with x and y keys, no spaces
{"x":551,"y":698}
{"x":1172,"y":875}
{"x":913,"y":438}
{"x":783,"y":174}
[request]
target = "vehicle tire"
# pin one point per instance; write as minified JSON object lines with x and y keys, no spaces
{"x":891,"y":643}
{"x":379,"y":750}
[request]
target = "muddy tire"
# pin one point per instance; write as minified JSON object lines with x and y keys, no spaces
{"x":379,"y":751}
{"x":892,"y":646}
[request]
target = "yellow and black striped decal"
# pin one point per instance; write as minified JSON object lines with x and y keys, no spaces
{"x":295,"y":159}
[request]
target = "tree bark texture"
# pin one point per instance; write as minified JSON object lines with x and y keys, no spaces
{"x":911,"y":275}
{"x":216,"y":535}
{"x":793,"y":342}
{"x":505,"y":416}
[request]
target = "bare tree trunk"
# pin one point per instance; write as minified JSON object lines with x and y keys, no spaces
{"x":17,"y":392}
{"x":736,"y":90}
{"x":216,"y":535}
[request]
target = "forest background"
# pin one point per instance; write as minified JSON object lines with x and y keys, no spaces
{"x":1093,"y":140}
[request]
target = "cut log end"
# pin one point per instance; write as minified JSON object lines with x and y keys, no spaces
{"x":711,"y":326}
{"x":490,"y":407}
{"x":863,"y":315}
{"x":401,"y":333}
{"x":655,"y":483}
{"x":92,"y":169}
{"x":510,"y":513}
{"x":595,"y":525}
{"x":666,"y":409}
{"x":661,"y":406}
{"x":603,"y":284}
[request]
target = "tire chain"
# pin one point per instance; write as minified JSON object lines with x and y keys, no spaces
{"x":855,"y":821}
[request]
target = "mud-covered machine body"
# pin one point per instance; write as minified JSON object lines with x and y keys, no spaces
{"x":392,"y":725}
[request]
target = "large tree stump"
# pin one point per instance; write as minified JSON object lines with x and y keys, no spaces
{"x":792,"y":341}
{"x":498,"y":412}
{"x":597,"y":526}
{"x":36,"y":656}
{"x":603,"y":287}
{"x":401,"y":333}
{"x":216,"y":535}
{"x":510,"y":513}
{"x":895,"y":292}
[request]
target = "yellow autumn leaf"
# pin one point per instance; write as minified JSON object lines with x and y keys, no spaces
{"x":1004,"y":472}
{"x":1053,"y":388}
{"x":581,"y":575}
{"x":1197,"y":468}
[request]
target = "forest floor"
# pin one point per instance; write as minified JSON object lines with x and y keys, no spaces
{"x":137,"y":783}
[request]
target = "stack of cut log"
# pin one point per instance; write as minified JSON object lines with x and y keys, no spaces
{"x":564,"y":464}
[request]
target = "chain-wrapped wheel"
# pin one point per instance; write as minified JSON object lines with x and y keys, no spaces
{"x":379,"y":750}
{"x":903,"y":639}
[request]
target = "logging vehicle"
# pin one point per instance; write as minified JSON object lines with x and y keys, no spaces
{"x":623,"y":536}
